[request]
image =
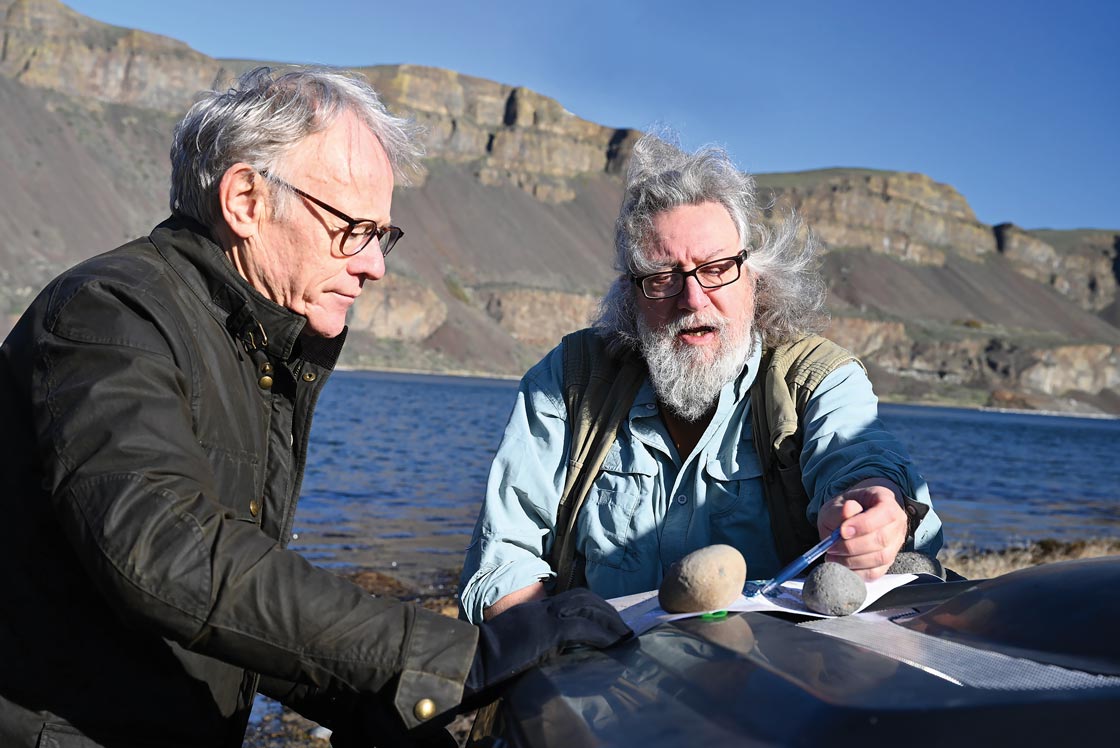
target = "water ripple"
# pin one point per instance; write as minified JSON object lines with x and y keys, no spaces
{"x":398,"y":466}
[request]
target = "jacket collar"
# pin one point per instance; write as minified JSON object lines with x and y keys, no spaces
{"x":251,"y":318}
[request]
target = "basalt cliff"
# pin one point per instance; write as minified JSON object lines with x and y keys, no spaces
{"x":510,"y":227}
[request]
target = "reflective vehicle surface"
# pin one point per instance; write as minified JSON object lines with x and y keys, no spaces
{"x":1029,"y":658}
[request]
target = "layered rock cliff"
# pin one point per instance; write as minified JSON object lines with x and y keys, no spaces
{"x":47,"y":45}
{"x":903,"y":215}
{"x":509,"y":228}
{"x":511,"y":135}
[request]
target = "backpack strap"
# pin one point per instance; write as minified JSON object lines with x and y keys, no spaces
{"x":598,"y":391}
{"x":787,"y":377}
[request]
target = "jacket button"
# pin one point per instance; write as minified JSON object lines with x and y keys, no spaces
{"x":424,"y":709}
{"x":255,"y":507}
{"x":265,"y":381}
{"x":309,"y":376}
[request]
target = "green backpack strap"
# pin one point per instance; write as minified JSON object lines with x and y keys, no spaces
{"x":598,"y":391}
{"x":787,"y":378}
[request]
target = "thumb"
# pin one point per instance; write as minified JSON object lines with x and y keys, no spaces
{"x":850,"y":508}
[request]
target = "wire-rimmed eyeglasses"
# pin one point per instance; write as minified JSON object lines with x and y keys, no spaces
{"x":668,"y":283}
{"x":359,"y":232}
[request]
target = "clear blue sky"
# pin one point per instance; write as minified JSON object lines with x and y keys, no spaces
{"x":1016,"y":104}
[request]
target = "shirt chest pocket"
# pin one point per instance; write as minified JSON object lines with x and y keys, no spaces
{"x":732,"y":478}
{"x":611,"y":523}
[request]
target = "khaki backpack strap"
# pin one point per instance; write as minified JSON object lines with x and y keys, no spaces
{"x":598,"y":391}
{"x":787,"y":377}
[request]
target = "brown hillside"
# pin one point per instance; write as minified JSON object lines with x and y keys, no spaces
{"x":509,"y":228}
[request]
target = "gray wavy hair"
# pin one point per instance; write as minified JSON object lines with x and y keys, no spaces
{"x":789,"y":291}
{"x":261,"y":118}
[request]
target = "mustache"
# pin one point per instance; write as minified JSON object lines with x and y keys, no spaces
{"x":674,"y":327}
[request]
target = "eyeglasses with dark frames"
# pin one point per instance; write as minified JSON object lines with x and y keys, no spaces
{"x":714,"y":274}
{"x":359,"y":232}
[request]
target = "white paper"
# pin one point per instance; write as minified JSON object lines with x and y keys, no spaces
{"x":641,"y":611}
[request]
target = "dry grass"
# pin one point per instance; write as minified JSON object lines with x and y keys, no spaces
{"x":985,"y":564}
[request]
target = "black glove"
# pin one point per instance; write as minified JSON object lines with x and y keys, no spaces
{"x":527,"y":634}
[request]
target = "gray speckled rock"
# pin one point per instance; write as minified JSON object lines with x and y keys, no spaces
{"x":834,"y":590}
{"x":706,"y":579}
{"x":912,"y":562}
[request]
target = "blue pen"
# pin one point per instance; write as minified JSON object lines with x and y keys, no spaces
{"x":799,"y":564}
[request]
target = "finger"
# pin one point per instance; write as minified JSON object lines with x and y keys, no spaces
{"x":869,"y":566}
{"x":878,"y":511}
{"x":870,"y":533}
{"x":830,"y":517}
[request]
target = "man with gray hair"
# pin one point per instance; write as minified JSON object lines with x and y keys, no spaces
{"x":157,"y":403}
{"x":716,"y":314}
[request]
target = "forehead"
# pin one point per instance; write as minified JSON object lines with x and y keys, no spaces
{"x":693,"y":233}
{"x":344,"y":162}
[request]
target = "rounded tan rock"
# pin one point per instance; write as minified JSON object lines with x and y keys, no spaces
{"x":709,"y":578}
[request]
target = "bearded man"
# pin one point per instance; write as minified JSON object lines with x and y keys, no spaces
{"x":705,"y":295}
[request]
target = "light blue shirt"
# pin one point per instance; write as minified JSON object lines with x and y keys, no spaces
{"x":649,"y":505}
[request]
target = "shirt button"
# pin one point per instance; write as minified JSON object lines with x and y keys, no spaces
{"x":255,"y":507}
{"x":682,"y":499}
{"x":650,"y":406}
{"x":424,"y":709}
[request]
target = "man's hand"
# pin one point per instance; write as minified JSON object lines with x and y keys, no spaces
{"x":527,"y":634}
{"x":873,"y":526}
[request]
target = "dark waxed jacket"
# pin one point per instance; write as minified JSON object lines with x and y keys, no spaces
{"x":149,"y":487}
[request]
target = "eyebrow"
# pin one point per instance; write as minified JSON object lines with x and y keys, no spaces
{"x":716,"y":255}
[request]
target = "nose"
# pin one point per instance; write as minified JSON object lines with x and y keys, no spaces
{"x":693,"y":297}
{"x":369,"y":264}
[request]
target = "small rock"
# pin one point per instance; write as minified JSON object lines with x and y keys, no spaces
{"x":381,"y":585}
{"x":709,"y":578}
{"x":834,"y":590}
{"x":912,"y":562}
{"x":320,"y":733}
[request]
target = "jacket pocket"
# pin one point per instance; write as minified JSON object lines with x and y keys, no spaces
{"x":238,"y":474}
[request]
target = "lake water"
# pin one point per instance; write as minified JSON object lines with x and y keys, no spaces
{"x":398,"y":467}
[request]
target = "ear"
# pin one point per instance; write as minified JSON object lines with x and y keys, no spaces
{"x":243,"y":199}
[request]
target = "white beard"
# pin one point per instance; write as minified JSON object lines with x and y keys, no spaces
{"x":688,"y":379}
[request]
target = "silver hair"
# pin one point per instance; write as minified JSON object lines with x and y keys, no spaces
{"x":261,"y":118}
{"x":789,"y":291}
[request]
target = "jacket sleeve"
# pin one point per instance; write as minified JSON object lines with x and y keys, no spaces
{"x":845,"y":442}
{"x":518,"y":515}
{"x":134,"y":495}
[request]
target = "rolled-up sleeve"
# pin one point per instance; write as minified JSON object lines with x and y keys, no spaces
{"x":513,"y":534}
{"x":845,"y":443}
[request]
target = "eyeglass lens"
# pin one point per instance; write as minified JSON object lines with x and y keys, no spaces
{"x":710,"y":275}
{"x":359,"y":237}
